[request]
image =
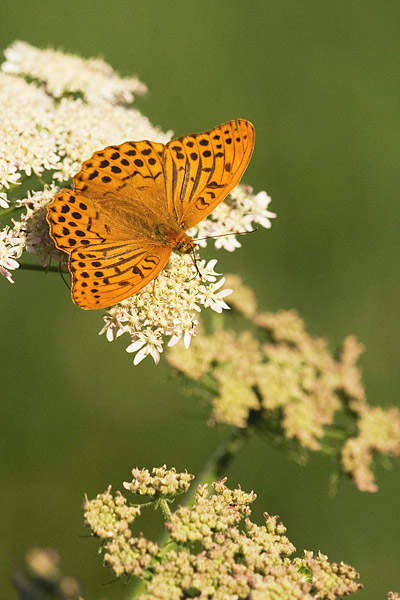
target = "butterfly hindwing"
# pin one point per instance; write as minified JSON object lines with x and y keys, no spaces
{"x":104,"y":270}
{"x":201,"y":169}
{"x":107,"y":273}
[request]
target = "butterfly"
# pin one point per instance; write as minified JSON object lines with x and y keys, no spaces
{"x":131,"y":205}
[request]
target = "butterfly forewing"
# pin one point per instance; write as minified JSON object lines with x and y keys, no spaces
{"x":74,"y":221}
{"x":201,"y":169}
{"x":131,"y":171}
{"x":103,"y":224}
{"x":107,"y":273}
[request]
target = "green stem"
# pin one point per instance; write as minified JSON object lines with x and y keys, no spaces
{"x":220,"y":461}
{"x":327,"y":450}
{"x":9,"y":211}
{"x":331,"y":432}
{"x":28,"y":267}
{"x":165,"y":509}
{"x":214,"y":470}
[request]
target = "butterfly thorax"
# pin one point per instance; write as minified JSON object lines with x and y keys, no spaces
{"x":175,"y":237}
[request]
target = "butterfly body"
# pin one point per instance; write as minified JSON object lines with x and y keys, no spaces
{"x":174,"y":237}
{"x":132,"y":204}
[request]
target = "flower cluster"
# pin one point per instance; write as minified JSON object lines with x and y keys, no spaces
{"x":329,"y":580}
{"x":47,"y":133}
{"x":209,"y":514}
{"x":215,"y":551}
{"x":239,"y":213}
{"x":287,"y":382}
{"x":378,"y":431}
{"x":161,"y":482}
{"x":66,"y":74}
{"x":110,"y":518}
{"x":55,"y":111}
{"x":169,"y":307}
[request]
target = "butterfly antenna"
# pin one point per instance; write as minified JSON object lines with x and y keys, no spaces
{"x":213,"y":237}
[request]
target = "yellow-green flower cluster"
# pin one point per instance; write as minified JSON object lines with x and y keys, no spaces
{"x":216,"y":551}
{"x":210,"y":514}
{"x":129,"y":555}
{"x":329,"y":580}
{"x":110,"y":518}
{"x":161,"y":482}
{"x":278,"y":376}
{"x":378,"y":432}
{"x":237,"y":558}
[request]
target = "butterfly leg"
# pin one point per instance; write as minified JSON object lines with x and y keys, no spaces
{"x":194,"y":258}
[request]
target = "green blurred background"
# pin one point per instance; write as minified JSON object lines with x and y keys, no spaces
{"x":320,"y":81}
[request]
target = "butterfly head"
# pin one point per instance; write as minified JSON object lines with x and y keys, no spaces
{"x":176,"y":237}
{"x":186,"y":246}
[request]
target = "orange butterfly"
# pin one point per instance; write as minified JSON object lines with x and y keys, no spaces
{"x":132,"y":203}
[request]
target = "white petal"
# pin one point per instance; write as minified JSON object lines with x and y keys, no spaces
{"x":174,"y":340}
{"x":216,"y":307}
{"x":6,"y":274}
{"x":135,"y":346}
{"x":11,"y":263}
{"x":264,"y":222}
{"x":155,"y":354}
{"x":211,"y":264}
{"x":224,"y":293}
{"x":141,"y":355}
{"x":187,"y":339}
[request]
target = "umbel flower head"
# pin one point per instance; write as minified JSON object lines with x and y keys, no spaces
{"x":55,"y":111}
{"x":280,"y":379}
{"x":213,"y":550}
{"x":161,"y":482}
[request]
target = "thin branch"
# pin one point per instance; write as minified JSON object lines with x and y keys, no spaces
{"x":28,"y":267}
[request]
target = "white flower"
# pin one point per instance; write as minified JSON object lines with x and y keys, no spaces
{"x":209,"y":296}
{"x":8,"y":174}
{"x":11,"y":247}
{"x":148,"y":342}
{"x":168,"y":312}
{"x":66,"y":73}
{"x":44,"y":137}
{"x":112,"y":328}
{"x":4,"y":200}
{"x":71,"y":108}
{"x":34,"y":226}
{"x":261,"y":214}
{"x":239,"y":213}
